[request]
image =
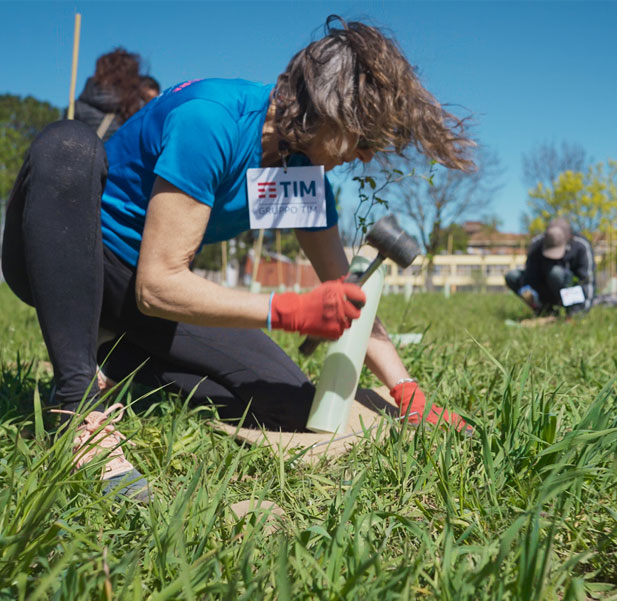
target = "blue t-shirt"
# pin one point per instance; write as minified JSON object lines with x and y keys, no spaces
{"x":201,"y":136}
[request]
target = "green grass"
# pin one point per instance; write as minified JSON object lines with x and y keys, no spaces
{"x":526,"y":509}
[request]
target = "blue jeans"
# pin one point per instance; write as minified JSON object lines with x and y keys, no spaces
{"x":549,"y":296}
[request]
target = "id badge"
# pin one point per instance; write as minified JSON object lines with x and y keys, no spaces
{"x":286,"y":198}
{"x":572,"y":296}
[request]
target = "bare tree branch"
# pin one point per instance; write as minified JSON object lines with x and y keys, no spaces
{"x":443,"y":196}
{"x":544,"y":163}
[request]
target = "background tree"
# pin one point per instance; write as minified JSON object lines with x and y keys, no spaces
{"x":547,"y":161}
{"x":541,"y":167}
{"x":289,"y":243}
{"x":424,"y":194}
{"x":587,"y":198}
{"x":444,"y":196}
{"x":347,"y":215}
{"x":374,"y":194}
{"x":21,"y":119}
{"x":210,"y":256}
{"x":452,"y":238}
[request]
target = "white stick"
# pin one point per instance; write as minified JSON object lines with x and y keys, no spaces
{"x":71,"y":110}
{"x":257,"y":254}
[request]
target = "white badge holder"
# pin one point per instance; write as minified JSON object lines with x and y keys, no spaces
{"x":573,"y":295}
{"x":286,"y":197}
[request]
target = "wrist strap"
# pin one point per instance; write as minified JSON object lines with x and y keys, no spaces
{"x":269,"y":318}
{"x":405,"y":381}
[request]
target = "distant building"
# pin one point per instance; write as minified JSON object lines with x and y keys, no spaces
{"x":278,"y":270}
{"x":483,"y":239}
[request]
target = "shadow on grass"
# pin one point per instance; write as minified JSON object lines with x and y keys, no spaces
{"x":19,"y":382}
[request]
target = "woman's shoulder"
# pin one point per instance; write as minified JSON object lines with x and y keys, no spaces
{"x":237,"y":96}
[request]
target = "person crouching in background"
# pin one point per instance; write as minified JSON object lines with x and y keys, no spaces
{"x":559,"y":272}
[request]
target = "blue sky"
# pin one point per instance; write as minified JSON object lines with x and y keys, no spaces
{"x":530,"y":72}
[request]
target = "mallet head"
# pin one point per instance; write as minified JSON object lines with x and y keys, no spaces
{"x":392,"y":241}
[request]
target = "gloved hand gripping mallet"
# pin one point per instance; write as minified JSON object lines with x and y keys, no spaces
{"x":391,"y":242}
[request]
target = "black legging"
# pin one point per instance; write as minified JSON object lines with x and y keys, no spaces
{"x":53,"y":258}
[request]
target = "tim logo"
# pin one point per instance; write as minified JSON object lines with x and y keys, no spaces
{"x":288,"y":189}
{"x":266,"y":189}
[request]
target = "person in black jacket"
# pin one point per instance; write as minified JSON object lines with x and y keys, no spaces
{"x":559,"y":271}
{"x":113,"y":93}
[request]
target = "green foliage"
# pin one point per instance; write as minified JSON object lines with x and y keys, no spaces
{"x":19,"y":329}
{"x":289,"y":244}
{"x":21,"y":119}
{"x":587,"y":198}
{"x":209,"y":257}
{"x":453,"y":238}
{"x":371,"y":200}
{"x":525,"y":509}
{"x":441,"y":196}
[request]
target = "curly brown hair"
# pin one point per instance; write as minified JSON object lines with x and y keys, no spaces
{"x":119,"y":71}
{"x":357,"y":81}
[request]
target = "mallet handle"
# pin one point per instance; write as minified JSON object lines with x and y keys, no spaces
{"x":367,"y":273}
{"x":311,"y":343}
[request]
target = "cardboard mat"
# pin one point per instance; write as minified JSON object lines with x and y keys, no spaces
{"x":365,"y":414}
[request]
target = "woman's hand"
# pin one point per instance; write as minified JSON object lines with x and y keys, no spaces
{"x":325,"y":251}
{"x":412,"y":403}
{"x":325,"y":311}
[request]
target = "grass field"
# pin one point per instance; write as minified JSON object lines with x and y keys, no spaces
{"x":526,"y":509}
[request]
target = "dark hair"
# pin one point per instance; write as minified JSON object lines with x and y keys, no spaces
{"x":357,"y":81}
{"x":119,"y":70}
{"x":149,"y":83}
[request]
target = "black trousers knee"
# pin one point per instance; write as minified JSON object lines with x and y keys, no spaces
{"x":52,"y":254}
{"x":53,"y":258}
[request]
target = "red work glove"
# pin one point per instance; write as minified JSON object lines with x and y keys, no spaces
{"x":325,"y":311}
{"x":406,"y":393}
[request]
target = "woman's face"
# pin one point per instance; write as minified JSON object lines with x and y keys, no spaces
{"x":331,"y":150}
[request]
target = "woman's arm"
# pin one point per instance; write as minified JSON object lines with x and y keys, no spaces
{"x":166,"y":287}
{"x":324,"y":250}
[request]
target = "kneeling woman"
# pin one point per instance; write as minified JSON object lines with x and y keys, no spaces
{"x":94,"y":246}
